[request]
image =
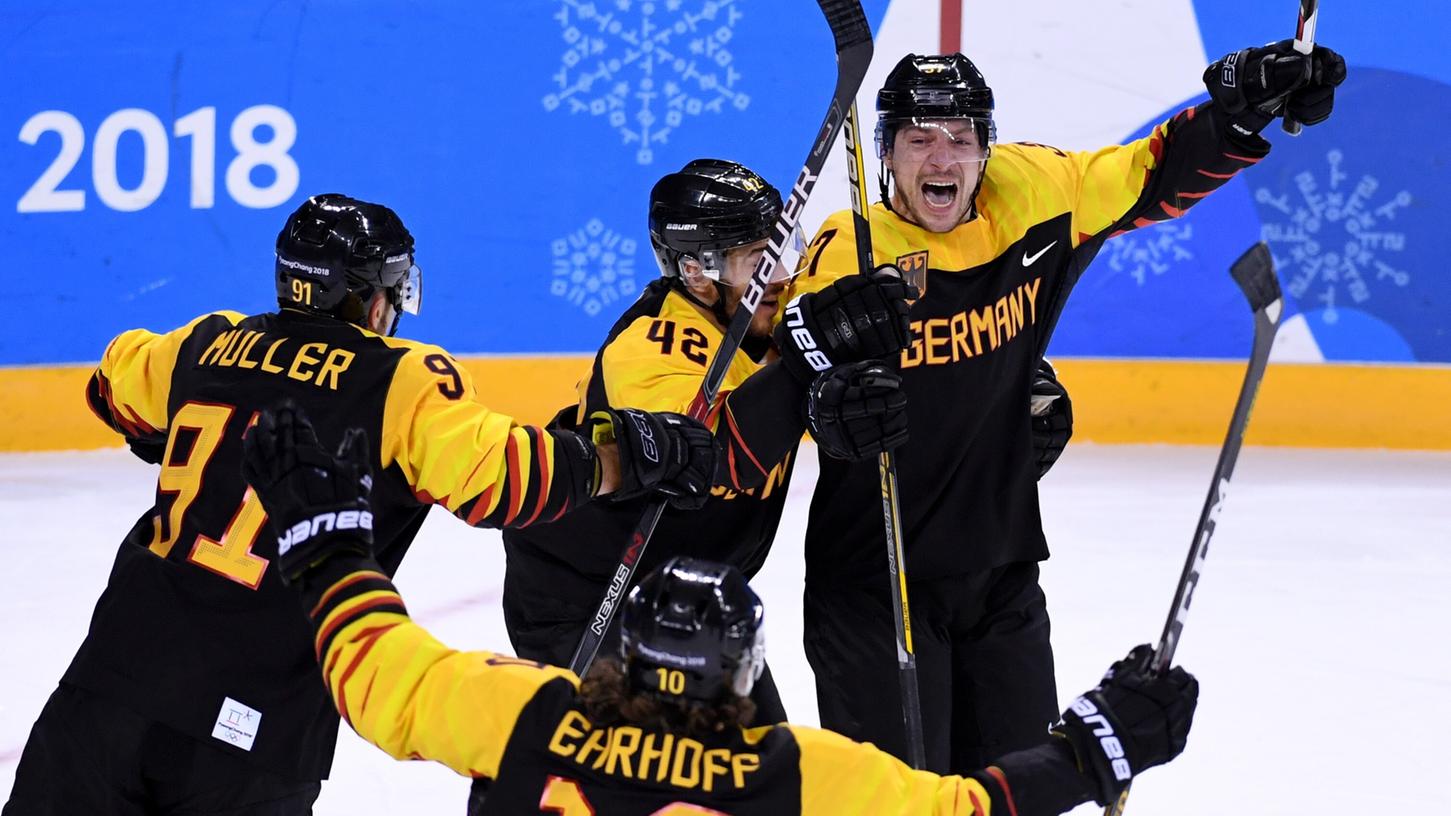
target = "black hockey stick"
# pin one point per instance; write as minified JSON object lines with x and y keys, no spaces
{"x":1305,"y":44}
{"x":1254,"y":271}
{"x":887,"y":476}
{"x":853,"y":54}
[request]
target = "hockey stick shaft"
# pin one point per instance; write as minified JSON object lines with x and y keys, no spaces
{"x":853,"y":39}
{"x":887,"y":476}
{"x":1254,"y":271}
{"x":1305,"y":44}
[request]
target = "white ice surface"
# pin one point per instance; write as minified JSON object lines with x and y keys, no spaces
{"x":1319,"y":632}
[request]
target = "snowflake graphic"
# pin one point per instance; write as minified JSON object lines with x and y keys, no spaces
{"x":1152,"y":250}
{"x":593,"y":267}
{"x":1336,"y":240}
{"x":644,"y":73}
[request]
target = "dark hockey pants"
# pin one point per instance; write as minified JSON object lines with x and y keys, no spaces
{"x":984,"y":664}
{"x":88,"y":755}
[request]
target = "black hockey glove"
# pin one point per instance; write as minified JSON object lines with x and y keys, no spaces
{"x":1133,"y":720}
{"x":858,"y":410}
{"x":1052,"y":413}
{"x":150,"y":449}
{"x":317,"y":501}
{"x":1253,"y":86}
{"x":664,"y":453}
{"x":856,"y":318}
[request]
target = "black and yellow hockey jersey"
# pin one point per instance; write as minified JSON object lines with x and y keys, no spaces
{"x":194,"y":629}
{"x":655,"y":358}
{"x":522,"y":725}
{"x":992,"y":290}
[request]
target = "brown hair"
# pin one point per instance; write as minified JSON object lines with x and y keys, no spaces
{"x":609,"y":699}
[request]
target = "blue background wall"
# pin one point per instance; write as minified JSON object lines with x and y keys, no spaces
{"x":519,"y":149}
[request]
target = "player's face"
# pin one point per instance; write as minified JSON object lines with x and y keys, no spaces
{"x":740,"y":263}
{"x":936,"y":164}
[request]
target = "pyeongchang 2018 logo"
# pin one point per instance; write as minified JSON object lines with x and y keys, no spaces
{"x":1335,"y":238}
{"x":647,"y":67}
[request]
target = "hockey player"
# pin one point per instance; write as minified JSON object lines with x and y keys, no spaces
{"x":995,"y":237}
{"x":660,"y":729}
{"x":196,"y":689}
{"x":709,"y":224}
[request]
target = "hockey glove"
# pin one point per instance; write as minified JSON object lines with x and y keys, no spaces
{"x":1133,"y":720}
{"x":857,"y":411}
{"x":664,"y":453}
{"x":856,"y":318}
{"x":1052,"y":413}
{"x":149,"y":449}
{"x":1253,"y":86}
{"x":317,"y":501}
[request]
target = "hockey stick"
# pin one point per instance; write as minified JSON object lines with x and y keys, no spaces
{"x":887,"y":475}
{"x":853,"y":54}
{"x":1254,"y":271}
{"x":1305,"y":44}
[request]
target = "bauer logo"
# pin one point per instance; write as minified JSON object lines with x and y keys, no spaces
{"x":322,"y":523}
{"x":647,"y":68}
{"x":594,"y":267}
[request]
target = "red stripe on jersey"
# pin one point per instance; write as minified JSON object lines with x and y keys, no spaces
{"x":997,"y":773}
{"x":977,"y":807}
{"x":541,"y":455}
{"x":342,"y":585}
{"x":1174,"y":212}
{"x":481,"y":506}
{"x":1195,"y":195}
{"x":515,"y":497}
{"x":352,"y":614}
{"x":1215,"y":175}
{"x":370,"y":637}
{"x":736,"y":432}
{"x":1245,"y":159}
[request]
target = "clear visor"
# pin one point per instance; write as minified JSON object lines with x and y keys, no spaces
{"x":942,"y":141}
{"x":410,"y":290}
{"x":736,"y":266}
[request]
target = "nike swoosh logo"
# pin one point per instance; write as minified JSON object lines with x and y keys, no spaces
{"x":1029,"y":259}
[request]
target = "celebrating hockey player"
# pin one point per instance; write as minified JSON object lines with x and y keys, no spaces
{"x":994,"y":236}
{"x":709,"y":225}
{"x":196,"y":690}
{"x":660,"y":728}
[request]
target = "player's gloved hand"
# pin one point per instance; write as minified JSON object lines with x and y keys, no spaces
{"x":150,"y":449}
{"x":664,"y":453}
{"x":856,"y":411}
{"x":858,"y":317}
{"x":1133,"y":720}
{"x":316,"y":501}
{"x":1253,"y":86}
{"x":1052,"y":413}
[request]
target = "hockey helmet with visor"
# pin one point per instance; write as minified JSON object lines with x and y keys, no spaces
{"x":692,"y":630}
{"x":335,"y":252}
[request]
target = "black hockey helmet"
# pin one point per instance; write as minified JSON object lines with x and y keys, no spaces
{"x":706,"y":208}
{"x":692,"y":629}
{"x":334,"y":252}
{"x":946,"y":86}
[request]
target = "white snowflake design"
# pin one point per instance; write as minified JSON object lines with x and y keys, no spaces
{"x":593,"y":267}
{"x":1332,"y":243}
{"x":1151,"y":250}
{"x":644,"y":73}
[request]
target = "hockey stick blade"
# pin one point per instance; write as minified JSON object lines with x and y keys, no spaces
{"x":1254,"y":271}
{"x":853,"y":39}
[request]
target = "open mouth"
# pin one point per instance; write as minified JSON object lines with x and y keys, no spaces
{"x":939,"y":195}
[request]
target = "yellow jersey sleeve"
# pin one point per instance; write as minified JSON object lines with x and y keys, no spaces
{"x":406,"y":692}
{"x":844,"y":777}
{"x":130,"y":388}
{"x":658,"y":362}
{"x":479,"y":464}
